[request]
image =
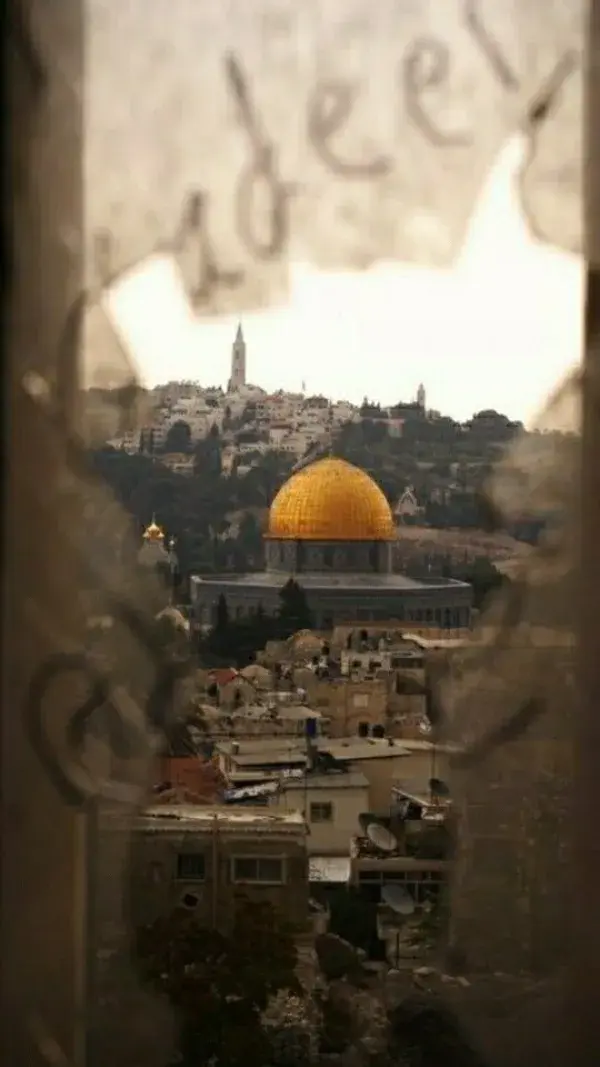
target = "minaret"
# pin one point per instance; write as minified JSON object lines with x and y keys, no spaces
{"x":421,"y":396}
{"x":238,"y":362}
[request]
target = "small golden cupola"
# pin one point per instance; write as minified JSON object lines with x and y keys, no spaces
{"x":153,"y":532}
{"x":153,"y":551}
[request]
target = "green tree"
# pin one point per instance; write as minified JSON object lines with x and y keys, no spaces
{"x":179,"y":437}
{"x":220,"y":983}
{"x":294,"y":612}
{"x":250,"y":539}
{"x":208,"y":460}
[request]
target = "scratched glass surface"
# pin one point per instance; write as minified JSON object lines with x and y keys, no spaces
{"x":509,"y":699}
{"x":240,"y":137}
{"x":236,"y":138}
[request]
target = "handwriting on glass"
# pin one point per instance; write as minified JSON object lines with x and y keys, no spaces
{"x":489,"y":46}
{"x":427,"y":66}
{"x":329,"y":109}
{"x":261,"y":170}
{"x":263,"y":194}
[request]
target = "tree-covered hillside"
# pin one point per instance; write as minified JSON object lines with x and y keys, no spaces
{"x":216,"y":517}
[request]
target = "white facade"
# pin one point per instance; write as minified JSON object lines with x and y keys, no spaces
{"x":332,"y":804}
{"x":289,"y":422}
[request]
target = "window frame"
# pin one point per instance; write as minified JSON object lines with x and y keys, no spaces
{"x":185,"y":854}
{"x":282,"y":860}
{"x":321,"y":804}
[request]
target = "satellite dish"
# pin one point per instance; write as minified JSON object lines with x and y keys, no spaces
{"x":382,"y":838}
{"x":365,"y":819}
{"x":398,"y":899}
{"x":438,"y":787}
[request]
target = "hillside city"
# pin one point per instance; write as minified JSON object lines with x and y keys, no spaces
{"x":301,"y":707}
{"x":318,"y":569}
{"x":211,"y":461}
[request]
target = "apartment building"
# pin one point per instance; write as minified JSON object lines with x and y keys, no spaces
{"x":209,"y":860}
{"x":331,"y":803}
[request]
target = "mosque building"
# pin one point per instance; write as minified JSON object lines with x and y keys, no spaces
{"x":331,"y":528}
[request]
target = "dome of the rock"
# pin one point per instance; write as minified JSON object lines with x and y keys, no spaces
{"x":330,"y":500}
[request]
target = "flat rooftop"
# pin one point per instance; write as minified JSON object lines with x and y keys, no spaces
{"x":279,"y":757}
{"x":333,"y":780}
{"x":223,"y":818}
{"x":383,"y":582}
{"x":285,"y":712}
{"x":281,"y":750}
{"x":365,"y":749}
{"x":249,"y":745}
{"x":431,"y":643}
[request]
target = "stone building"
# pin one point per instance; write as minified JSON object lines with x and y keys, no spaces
{"x":349,"y":704}
{"x":332,"y":804}
{"x":331,"y":529}
{"x":384,"y":762}
{"x":208,"y":859}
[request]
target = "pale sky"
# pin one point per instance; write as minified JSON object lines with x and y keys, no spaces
{"x":499,"y":330}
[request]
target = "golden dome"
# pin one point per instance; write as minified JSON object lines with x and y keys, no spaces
{"x":153,"y":532}
{"x":330,"y":500}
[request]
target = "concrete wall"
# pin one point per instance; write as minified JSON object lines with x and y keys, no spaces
{"x":156,"y":889}
{"x":422,"y":765}
{"x":382,"y":774}
{"x":328,"y":838}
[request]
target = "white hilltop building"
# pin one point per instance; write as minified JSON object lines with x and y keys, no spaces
{"x":408,"y":506}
